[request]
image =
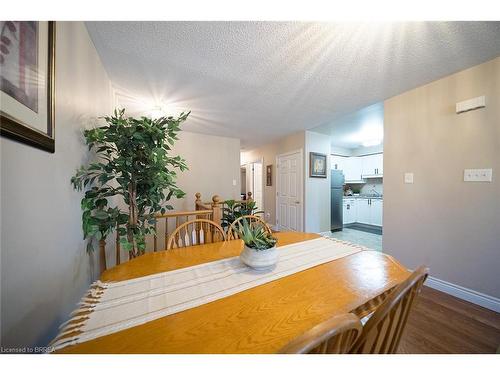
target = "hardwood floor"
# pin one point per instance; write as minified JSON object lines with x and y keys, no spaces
{"x":440,"y":323}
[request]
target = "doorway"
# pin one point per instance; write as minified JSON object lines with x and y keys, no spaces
{"x":254,"y":182}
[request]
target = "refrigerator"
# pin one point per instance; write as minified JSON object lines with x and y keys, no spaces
{"x":337,"y":196}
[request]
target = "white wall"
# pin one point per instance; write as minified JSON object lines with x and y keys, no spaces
{"x":317,"y":190}
{"x":44,"y":266}
{"x":440,"y":220}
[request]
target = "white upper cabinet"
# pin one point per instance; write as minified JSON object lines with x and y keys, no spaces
{"x":372,"y":165}
{"x":353,"y":169}
{"x":337,"y":162}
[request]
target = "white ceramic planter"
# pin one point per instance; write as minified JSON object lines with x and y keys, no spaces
{"x":259,"y":259}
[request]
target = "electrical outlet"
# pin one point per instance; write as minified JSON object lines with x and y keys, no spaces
{"x":478,"y":175}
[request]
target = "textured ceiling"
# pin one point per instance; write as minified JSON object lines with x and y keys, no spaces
{"x":356,"y":129}
{"x":259,"y":81}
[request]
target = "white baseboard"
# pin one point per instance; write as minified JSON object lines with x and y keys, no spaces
{"x":466,"y":294}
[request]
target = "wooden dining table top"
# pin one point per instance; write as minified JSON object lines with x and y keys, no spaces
{"x":258,"y":320}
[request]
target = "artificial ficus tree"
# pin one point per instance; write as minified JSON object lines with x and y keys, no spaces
{"x":134,"y":164}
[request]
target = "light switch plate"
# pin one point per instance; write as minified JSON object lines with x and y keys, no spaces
{"x":234,"y":182}
{"x":408,"y":178}
{"x":478,"y":175}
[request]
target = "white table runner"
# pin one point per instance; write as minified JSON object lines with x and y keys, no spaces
{"x":114,"y":306}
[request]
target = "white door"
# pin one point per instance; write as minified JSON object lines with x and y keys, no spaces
{"x":289,"y":192}
{"x":363,"y":210}
{"x":376,"y":212}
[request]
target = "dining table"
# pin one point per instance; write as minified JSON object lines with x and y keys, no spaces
{"x":259,"y":320}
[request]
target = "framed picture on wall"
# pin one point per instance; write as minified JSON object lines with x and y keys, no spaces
{"x":269,"y":175}
{"x":27,"y":79}
{"x":317,"y":165}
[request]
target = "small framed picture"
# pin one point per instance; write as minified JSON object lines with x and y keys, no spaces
{"x":269,"y":175}
{"x":317,"y":165}
{"x":27,"y":79}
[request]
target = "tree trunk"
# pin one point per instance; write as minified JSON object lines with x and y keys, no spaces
{"x":102,"y":256}
{"x":132,"y":219}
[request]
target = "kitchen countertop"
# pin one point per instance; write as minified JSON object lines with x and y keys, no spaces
{"x":363,"y":196}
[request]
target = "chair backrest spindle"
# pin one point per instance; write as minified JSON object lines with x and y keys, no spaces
{"x":334,"y":336}
{"x":185,"y":234}
{"x":252,"y":220}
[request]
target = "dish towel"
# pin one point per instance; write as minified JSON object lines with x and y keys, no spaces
{"x":114,"y":306}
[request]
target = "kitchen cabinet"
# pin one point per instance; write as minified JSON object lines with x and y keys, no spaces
{"x":372,"y":165}
{"x":367,"y":211}
{"x":352,"y":169}
{"x":355,"y":168}
{"x":337,"y":162}
{"x":349,"y":211}
{"x":363,"y":210}
{"x":376,"y":212}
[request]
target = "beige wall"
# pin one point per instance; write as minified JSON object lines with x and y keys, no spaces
{"x":452,"y":226}
{"x":269,"y":152}
{"x":44,"y":266}
{"x":214,"y":162}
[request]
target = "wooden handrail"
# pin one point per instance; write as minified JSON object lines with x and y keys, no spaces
{"x":183,"y":213}
{"x":200,"y":205}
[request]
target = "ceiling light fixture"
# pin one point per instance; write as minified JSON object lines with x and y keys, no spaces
{"x":373,"y":142}
{"x":158,"y":111}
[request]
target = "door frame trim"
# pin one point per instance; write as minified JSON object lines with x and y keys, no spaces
{"x":300,"y":151}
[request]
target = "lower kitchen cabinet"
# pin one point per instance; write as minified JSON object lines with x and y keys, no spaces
{"x":363,"y":210}
{"x":349,"y":211}
{"x":363,"y":206}
{"x":376,"y":212}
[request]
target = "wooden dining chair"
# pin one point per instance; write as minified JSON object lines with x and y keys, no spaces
{"x":195,"y":232}
{"x":232,"y":233}
{"x":334,"y":336}
{"x":382,"y":332}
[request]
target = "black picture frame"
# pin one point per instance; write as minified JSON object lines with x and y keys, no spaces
{"x":317,"y":165}
{"x":15,"y":129}
{"x":269,"y":175}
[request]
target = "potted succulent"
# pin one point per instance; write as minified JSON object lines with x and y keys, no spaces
{"x":260,"y":246}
